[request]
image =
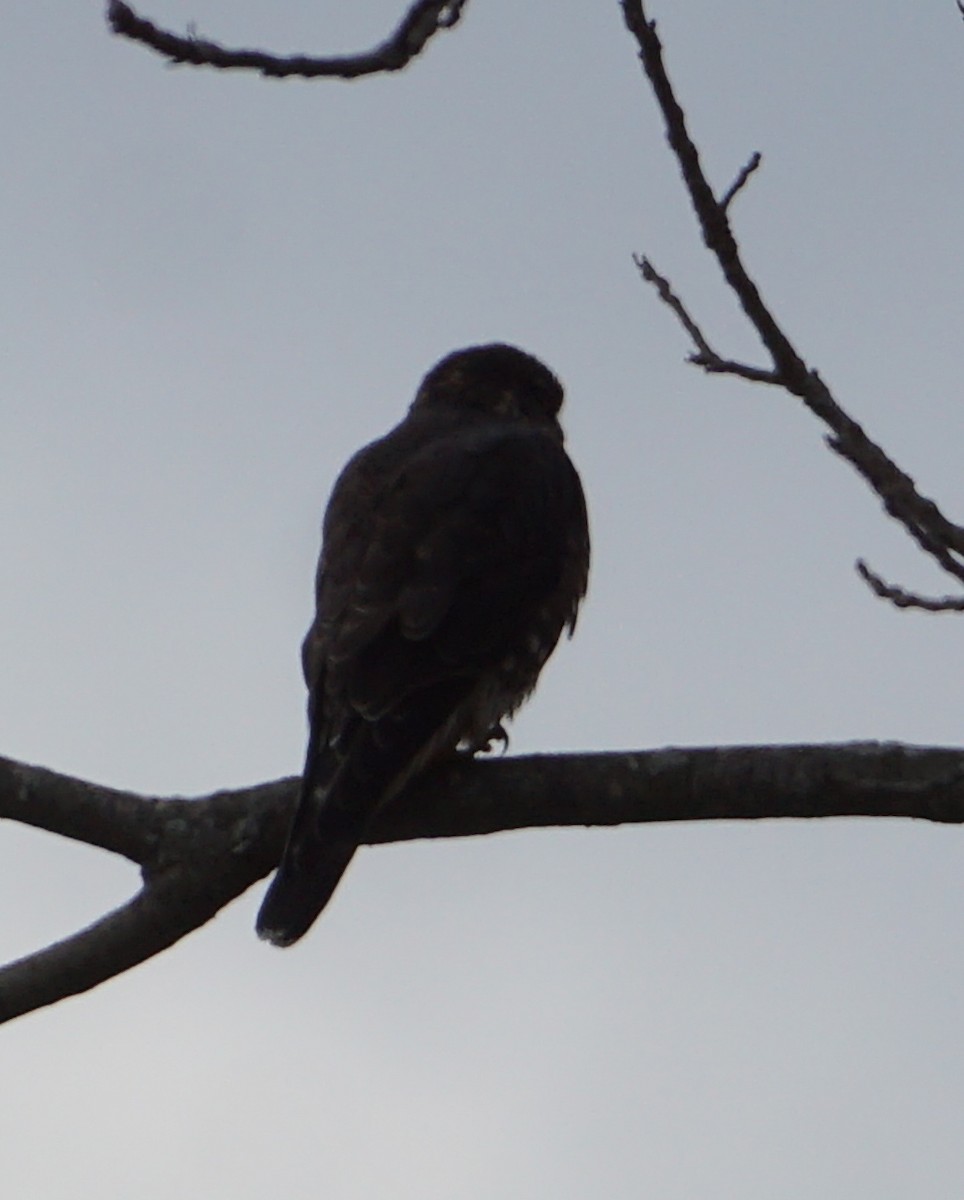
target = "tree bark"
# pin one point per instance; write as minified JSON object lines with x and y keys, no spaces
{"x":197,"y":855}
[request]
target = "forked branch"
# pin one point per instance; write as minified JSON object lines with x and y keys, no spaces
{"x":196,"y":856}
{"x":938,"y":537}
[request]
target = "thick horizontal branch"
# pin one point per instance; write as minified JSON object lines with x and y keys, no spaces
{"x":855,"y":779}
{"x":942,"y":539}
{"x":198,"y":855}
{"x":420,"y":23}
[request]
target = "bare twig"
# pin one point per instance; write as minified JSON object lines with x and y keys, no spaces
{"x":746,"y":171}
{"x":901,"y":598}
{"x":705,"y":356}
{"x":421,"y":22}
{"x":942,"y":539}
{"x":668,"y":296}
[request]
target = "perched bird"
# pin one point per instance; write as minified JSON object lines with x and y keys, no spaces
{"x":455,"y":550}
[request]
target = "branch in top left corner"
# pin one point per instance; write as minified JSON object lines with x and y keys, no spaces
{"x":420,"y":23}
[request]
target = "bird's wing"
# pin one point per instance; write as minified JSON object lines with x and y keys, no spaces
{"x":470,"y":541}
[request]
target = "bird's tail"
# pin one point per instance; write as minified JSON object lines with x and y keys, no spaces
{"x":324,"y":836}
{"x":340,"y":795}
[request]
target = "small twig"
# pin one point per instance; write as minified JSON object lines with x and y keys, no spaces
{"x":729,"y":366}
{"x":668,"y":296}
{"x":901,"y":598}
{"x":420,"y":23}
{"x":705,"y":356}
{"x":728,"y":196}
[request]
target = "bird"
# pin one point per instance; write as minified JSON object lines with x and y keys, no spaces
{"x":455,"y":550}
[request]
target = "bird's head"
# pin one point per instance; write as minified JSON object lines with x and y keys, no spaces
{"x":498,"y":380}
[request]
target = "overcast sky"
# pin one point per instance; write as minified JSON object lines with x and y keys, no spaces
{"x":213,"y":289}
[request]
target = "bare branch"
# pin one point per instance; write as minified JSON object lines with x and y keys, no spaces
{"x":668,"y":296}
{"x":420,"y":23}
{"x":712,"y":218}
{"x":705,"y":356}
{"x":196,"y":856}
{"x":901,"y":598}
{"x":153,"y":920}
{"x":201,"y":854}
{"x":746,"y":171}
{"x":942,"y":539}
{"x":116,"y":821}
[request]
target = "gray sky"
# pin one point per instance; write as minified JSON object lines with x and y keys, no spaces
{"x":213,"y":289}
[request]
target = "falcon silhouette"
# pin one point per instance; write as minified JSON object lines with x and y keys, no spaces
{"x":455,"y":550}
